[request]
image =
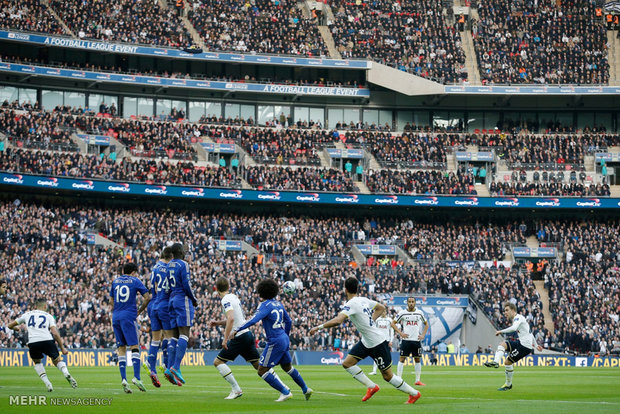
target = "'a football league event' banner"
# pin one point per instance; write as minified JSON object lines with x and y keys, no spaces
{"x":130,"y":49}
{"x":111,"y":187}
{"x":104,"y":358}
{"x":183,"y":83}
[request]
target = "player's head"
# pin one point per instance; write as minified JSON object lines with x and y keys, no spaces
{"x":267,"y":289}
{"x":41,"y":304}
{"x":411,"y":303}
{"x":510,"y":310}
{"x":177,"y":250}
{"x":2,"y":287}
{"x":222,"y":285}
{"x":166,"y":254}
{"x":351,"y":285}
{"x":130,"y":268}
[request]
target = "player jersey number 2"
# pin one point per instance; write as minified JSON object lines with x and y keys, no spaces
{"x":279,"y":323}
{"x":122,"y":293}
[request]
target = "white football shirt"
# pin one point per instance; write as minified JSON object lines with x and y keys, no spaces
{"x":520,"y":325}
{"x":412,"y":323}
{"x":38,"y":324}
{"x":360,"y":311}
{"x":385,"y":324}
{"x":231,"y":302}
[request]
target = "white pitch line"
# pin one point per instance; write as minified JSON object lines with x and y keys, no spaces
{"x":522,"y":400}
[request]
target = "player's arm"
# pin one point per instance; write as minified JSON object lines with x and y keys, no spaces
{"x":145,"y":302}
{"x":398,"y":331}
{"x":288,"y":323}
{"x":337,"y":321}
{"x":260,"y":314}
{"x":13,"y":325}
{"x":58,"y":339}
{"x":510,"y":329}
{"x":219,"y":322}
{"x":229,"y":321}
{"x":186,"y":286}
{"x":423,"y":334}
{"x":377,"y":310}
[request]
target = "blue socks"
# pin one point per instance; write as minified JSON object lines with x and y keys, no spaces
{"x":298,"y":379}
{"x":122,"y":366}
{"x":275,"y":382}
{"x":180,"y":352}
{"x":135,"y":359}
{"x":152,"y":358}
{"x":172,"y":350}
{"x":164,"y":347}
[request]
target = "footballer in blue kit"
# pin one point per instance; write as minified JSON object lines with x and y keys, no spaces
{"x":159,"y":320}
{"x":124,"y":320}
{"x":182,"y":306}
{"x":277,"y":325}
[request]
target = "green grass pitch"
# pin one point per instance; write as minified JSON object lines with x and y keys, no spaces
{"x":449,"y":390}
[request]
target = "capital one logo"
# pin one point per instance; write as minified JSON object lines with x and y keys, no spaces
{"x":334,"y":358}
{"x":387,"y":200}
{"x":590,"y":202}
{"x":549,"y":202}
{"x":231,"y":194}
{"x":314,"y":197}
{"x":471,"y":201}
{"x":14,"y":179}
{"x":122,"y":187}
{"x":507,"y":202}
{"x":273,"y":195}
{"x":83,"y":185}
{"x":48,"y":182}
{"x":427,"y":201}
{"x":349,"y":198}
{"x":194,"y":192}
{"x":157,"y":189}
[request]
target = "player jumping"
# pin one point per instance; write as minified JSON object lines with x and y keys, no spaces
{"x":41,"y":334}
{"x":411,"y":320}
{"x":363,"y":313}
{"x":516,"y":349}
{"x":124,"y":321}
{"x":277,"y":326}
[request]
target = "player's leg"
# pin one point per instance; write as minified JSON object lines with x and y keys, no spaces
{"x":225,"y":355}
{"x":418,"y":371}
{"x":287,"y":366}
{"x":185,"y":317}
{"x":382,"y":356}
{"x":374,"y":369}
{"x":516,"y":352}
{"x":152,"y":357}
{"x":60,"y":364}
{"x":357,"y":353}
{"x":268,"y":360}
{"x":172,"y":335}
{"x":499,"y":353}
{"x":401,"y":363}
{"x":509,"y":370}
{"x":131,"y":331}
{"x":36,"y":355}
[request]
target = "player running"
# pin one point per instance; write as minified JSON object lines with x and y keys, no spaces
{"x":411,"y":320}
{"x":124,"y":321}
{"x":158,"y":275}
{"x":243,"y":342}
{"x":41,"y":334}
{"x":516,"y":349}
{"x":277,"y":326}
{"x":384,"y":322}
{"x":182,"y":306}
{"x":364,"y":312}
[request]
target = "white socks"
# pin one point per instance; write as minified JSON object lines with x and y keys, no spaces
{"x":399,"y":369}
{"x":499,"y":354}
{"x":359,"y":375}
{"x":418,"y":371}
{"x":63,"y":368}
{"x":40,"y":369}
{"x":400,"y":384}
{"x":509,"y":372}
{"x":374,"y":367}
{"x":226,"y":373}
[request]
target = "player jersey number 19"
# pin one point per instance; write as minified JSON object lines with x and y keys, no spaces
{"x":122,"y":293}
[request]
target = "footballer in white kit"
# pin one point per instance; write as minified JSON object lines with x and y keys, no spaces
{"x":41,"y":334}
{"x":414,"y":328}
{"x":363,"y":313}
{"x":516,"y":349}
{"x":242,"y":344}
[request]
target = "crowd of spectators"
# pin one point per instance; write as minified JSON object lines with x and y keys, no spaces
{"x":544,"y":41}
{"x":415,"y":37}
{"x":38,"y":130}
{"x":419,"y":182}
{"x":302,"y":178}
{"x":43,"y":252}
{"x":573,"y":189}
{"x":261,"y":26}
{"x":125,"y":21}
{"x":29,"y":16}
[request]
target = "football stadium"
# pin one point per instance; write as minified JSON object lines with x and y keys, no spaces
{"x":309,"y":206}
